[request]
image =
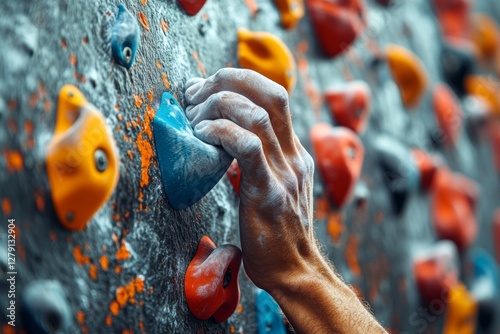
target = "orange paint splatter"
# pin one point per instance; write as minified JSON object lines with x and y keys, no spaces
{"x":130,"y":155}
{"x":158,"y":64}
{"x":149,"y":115}
{"x":151,"y":95}
{"x":252,"y":5}
{"x":232,"y":329}
{"x":166,"y":83}
{"x":144,"y":2}
{"x":80,"y":317}
{"x":12,"y":125}
{"x":93,"y":271}
{"x":114,"y":308}
{"x":322,"y":207}
{"x":118,"y":269}
{"x":80,"y":258}
{"x":310,"y":88}
{"x":240,"y":308}
{"x":39,"y":201}
{"x":146,"y":152}
{"x":144,"y":20}
{"x":122,"y":254}
{"x":64,"y":44}
{"x":335,"y":226}
{"x":6,"y":207}
{"x":137,"y":100}
{"x":109,"y":320}
{"x":351,"y":254}
{"x":85,"y":40}
{"x":104,"y":261}
{"x":15,"y":161}
{"x":139,"y":284}
{"x":73,"y":60}
{"x":164,"y":26}
{"x":201,"y":67}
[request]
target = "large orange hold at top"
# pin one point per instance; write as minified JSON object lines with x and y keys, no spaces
{"x":436,"y":271}
{"x":291,"y":12}
{"x":484,"y":35}
{"x":339,"y":155}
{"x":211,"y":281}
{"x":337,"y":23}
{"x":409,"y":74}
{"x":350,"y":105}
{"x":267,"y":54}
{"x":461,"y":315}
{"x":82,"y":160}
{"x":453,"y":17}
{"x":453,"y":204}
{"x":448,"y":113}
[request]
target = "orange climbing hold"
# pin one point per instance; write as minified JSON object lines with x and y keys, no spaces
{"x":453,"y":203}
{"x":436,"y":271}
{"x":461,"y":315}
{"x":485,"y":88}
{"x":291,"y":12}
{"x":82,"y":160}
{"x":211,"y":281}
{"x":409,"y":74}
{"x":339,"y":155}
{"x":337,"y":23}
{"x":427,"y":166}
{"x":265,"y":53}
{"x":484,"y":35}
{"x":350,"y":105}
{"x":448,"y":113}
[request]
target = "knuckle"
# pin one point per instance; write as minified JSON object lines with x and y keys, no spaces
{"x":253,"y":146}
{"x":280,"y":97}
{"x":260,"y":118}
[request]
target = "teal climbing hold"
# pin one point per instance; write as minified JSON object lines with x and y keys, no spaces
{"x":189,"y":167}
{"x":269,"y":318}
{"x":125,"y":37}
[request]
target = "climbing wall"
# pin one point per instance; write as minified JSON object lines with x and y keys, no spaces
{"x":123,"y":269}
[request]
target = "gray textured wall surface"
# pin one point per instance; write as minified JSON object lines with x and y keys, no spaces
{"x":47,"y":44}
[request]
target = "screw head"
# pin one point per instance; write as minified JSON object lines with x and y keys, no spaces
{"x":127,"y":54}
{"x":101,"y":160}
{"x":227,"y":278}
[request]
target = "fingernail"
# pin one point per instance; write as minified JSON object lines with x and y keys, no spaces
{"x":191,"y":91}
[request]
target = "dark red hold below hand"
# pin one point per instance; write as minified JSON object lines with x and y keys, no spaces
{"x":211,"y":282}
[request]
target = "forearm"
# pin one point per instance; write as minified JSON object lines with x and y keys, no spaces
{"x":315,"y":300}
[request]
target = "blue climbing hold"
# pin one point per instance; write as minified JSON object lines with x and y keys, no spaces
{"x":125,"y":37}
{"x":269,"y":318}
{"x":189,"y":167}
{"x":485,"y":287}
{"x":399,"y":169}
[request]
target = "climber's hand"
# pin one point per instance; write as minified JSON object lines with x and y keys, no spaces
{"x":248,"y":115}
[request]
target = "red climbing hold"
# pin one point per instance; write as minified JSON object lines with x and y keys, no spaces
{"x":454,"y":199}
{"x":427,"y":165}
{"x":453,"y":17}
{"x":337,"y":24}
{"x":350,"y":105}
{"x":339,"y":156}
{"x":211,"y":282}
{"x":436,"y":271}
{"x":234,"y":175}
{"x":192,"y":7}
{"x":448,"y":113}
